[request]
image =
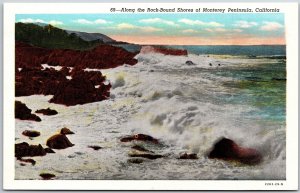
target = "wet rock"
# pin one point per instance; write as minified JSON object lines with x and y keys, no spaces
{"x":210,"y":64}
{"x":47,"y":111}
{"x":95,"y":147}
{"x":163,"y":50}
{"x":101,"y":57}
{"x":24,"y":113}
{"x":188,"y":156}
{"x":24,"y":149}
{"x":47,"y":176}
{"x":32,"y":161}
{"x":140,"y":137}
{"x":60,"y":141}
{"x":140,"y":148}
{"x":135,"y":161}
{"x":227,"y":149}
{"x":49,"y":150}
{"x":79,"y":91}
{"x":189,"y":63}
{"x":31,"y":133}
{"x":146,"y":155}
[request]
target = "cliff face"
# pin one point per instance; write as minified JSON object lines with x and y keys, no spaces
{"x":100,"y":57}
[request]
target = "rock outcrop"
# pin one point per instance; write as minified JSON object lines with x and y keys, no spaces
{"x":188,"y":156}
{"x":101,"y":57}
{"x":227,"y":149}
{"x":24,"y":113}
{"x":163,"y":50}
{"x":25,"y":150}
{"x":140,"y":137}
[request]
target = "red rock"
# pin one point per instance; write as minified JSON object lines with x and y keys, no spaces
{"x":24,"y":113}
{"x":101,"y":57}
{"x":140,"y":137}
{"x":24,"y":150}
{"x":60,"y":141}
{"x":95,"y":77}
{"x":227,"y":149}
{"x":163,"y":50}
{"x":31,"y":133}
{"x":47,"y":176}
{"x":47,"y":111}
{"x":79,"y":91}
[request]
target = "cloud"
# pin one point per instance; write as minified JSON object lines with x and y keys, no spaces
{"x":30,"y":20}
{"x":198,"y":22}
{"x":54,"y":22}
{"x":271,"y":26}
{"x":89,"y":22}
{"x":216,"y":29}
{"x":237,"y":30}
{"x":245,"y":24}
{"x":189,"y":31}
{"x":158,"y":20}
{"x":125,"y":26}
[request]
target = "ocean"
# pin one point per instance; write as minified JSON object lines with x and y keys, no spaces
{"x":238,"y":92}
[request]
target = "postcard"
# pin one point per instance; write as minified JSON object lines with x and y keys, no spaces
{"x":137,"y":96}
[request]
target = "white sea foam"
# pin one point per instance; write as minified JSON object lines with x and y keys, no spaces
{"x":162,"y":97}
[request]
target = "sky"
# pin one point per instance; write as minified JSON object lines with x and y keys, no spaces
{"x":175,"y":28}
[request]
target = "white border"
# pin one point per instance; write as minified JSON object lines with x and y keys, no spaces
{"x":291,"y":182}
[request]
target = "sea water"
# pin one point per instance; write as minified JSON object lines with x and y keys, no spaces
{"x":187,"y":107}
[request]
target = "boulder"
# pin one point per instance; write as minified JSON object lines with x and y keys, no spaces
{"x":47,"y":176}
{"x":24,"y":113}
{"x":227,"y":149}
{"x":60,"y":141}
{"x":79,"y":91}
{"x":32,"y":161}
{"x":135,"y":161}
{"x":24,"y":149}
{"x":140,"y":137}
{"x":146,"y":155}
{"x":189,"y":63}
{"x":31,"y":133}
{"x":188,"y":156}
{"x":140,"y":148}
{"x":47,"y":111}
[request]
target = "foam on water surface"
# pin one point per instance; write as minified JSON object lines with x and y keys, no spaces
{"x":183,"y":106}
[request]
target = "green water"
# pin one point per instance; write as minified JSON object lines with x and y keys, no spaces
{"x":262,"y":86}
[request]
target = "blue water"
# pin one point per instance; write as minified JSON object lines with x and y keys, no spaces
{"x":259,"y":50}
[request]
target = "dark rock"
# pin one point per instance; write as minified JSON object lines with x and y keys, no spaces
{"x":227,"y":149}
{"x":79,"y":91}
{"x":47,"y":176}
{"x":210,"y":64}
{"x":101,"y":57}
{"x":47,"y":111}
{"x":135,"y":161}
{"x":146,"y":155}
{"x":24,"y":150}
{"x":163,"y":50}
{"x":140,"y":148}
{"x":49,"y":150}
{"x":24,"y":113}
{"x":27,"y":161}
{"x":189,"y":63}
{"x":60,"y":141}
{"x":31,"y":133}
{"x":188,"y":156}
{"x":95,"y":147}
{"x":279,"y":79}
{"x":139,"y":137}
